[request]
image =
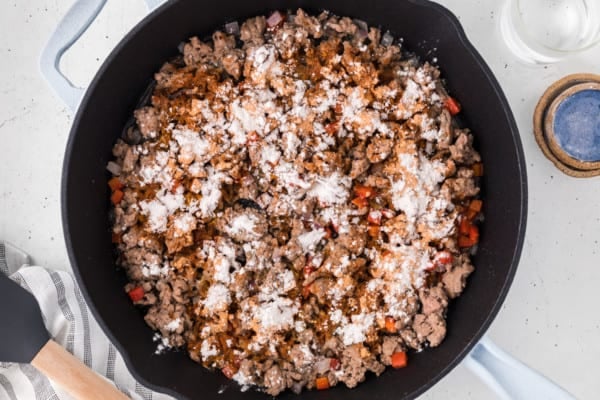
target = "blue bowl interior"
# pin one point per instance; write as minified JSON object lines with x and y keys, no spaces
{"x":576,"y":125}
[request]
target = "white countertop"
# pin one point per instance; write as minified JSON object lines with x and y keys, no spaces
{"x":550,"y":319}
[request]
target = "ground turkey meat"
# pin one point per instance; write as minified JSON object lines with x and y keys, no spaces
{"x":379,"y":149}
{"x":433,"y":300}
{"x":430,"y":327}
{"x":455,"y":278}
{"x":294,"y":204}
{"x":147,"y":120}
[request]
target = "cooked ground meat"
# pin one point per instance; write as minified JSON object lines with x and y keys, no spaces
{"x":296,"y":203}
{"x":147,"y":121}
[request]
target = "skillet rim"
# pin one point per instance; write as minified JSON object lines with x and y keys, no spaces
{"x":521,"y":166}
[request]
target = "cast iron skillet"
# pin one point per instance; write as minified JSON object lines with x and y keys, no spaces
{"x":430,"y":31}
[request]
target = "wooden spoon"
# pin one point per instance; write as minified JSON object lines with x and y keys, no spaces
{"x":24,"y":339}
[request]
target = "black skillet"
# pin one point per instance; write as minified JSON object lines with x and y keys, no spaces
{"x":430,"y":31}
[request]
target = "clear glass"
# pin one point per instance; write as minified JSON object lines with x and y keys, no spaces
{"x":546,"y":31}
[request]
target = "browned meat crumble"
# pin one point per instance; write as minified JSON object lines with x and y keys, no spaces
{"x":289,"y":206}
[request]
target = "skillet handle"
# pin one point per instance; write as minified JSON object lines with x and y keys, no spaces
{"x":508,"y":377}
{"x":74,"y":376}
{"x":154,"y":4}
{"x":79,"y":17}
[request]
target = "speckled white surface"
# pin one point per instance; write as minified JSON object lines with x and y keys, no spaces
{"x":550,"y":319}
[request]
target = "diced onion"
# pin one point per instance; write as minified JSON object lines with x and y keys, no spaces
{"x":362,"y":34}
{"x":113,"y":168}
{"x":297,"y":387}
{"x":474,"y":249}
{"x":429,"y":147}
{"x":322,"y":366}
{"x":232,"y":28}
{"x":362,"y":25}
{"x":274,"y":19}
{"x":387,"y":39}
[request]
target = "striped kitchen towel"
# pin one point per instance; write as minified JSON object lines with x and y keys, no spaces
{"x":70,"y":323}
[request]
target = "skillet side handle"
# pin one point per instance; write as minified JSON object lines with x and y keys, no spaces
{"x":154,"y":4}
{"x":509,"y":378}
{"x":79,"y":17}
{"x":73,"y":375}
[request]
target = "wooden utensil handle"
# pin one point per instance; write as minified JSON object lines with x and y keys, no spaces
{"x":73,"y":375}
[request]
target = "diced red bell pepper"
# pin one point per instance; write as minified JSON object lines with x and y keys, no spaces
{"x":476,"y":205}
{"x":399,"y":359}
{"x":471,"y":214}
{"x":374,"y":217}
{"x":115,"y":184}
{"x":364,"y":192}
{"x":465,"y":226}
{"x":332,"y":128}
{"x":334,"y":364}
{"x":116,"y":238}
{"x":322,"y":383}
{"x":360,"y":202}
{"x":136,"y":294}
{"x":443,"y":258}
{"x":116,"y":197}
{"x":390,"y":325}
{"x":373,"y":231}
{"x":474,"y":233}
{"x":467,"y":231}
{"x":474,"y":208}
{"x":465,"y":241}
{"x":452,"y":105}
{"x":477,"y":169}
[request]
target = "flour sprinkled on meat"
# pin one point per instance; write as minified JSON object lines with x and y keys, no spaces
{"x":297,"y":206}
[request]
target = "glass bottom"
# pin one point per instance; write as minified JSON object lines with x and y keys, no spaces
{"x":518,"y":46}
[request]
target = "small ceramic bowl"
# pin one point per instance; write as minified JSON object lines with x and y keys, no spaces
{"x":567,"y":124}
{"x":572,"y":126}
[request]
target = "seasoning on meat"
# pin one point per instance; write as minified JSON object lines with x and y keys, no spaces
{"x":299,"y":205}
